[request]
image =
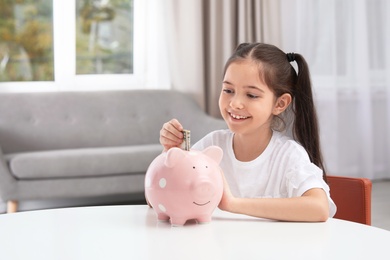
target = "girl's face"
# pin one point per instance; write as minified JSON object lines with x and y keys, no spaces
{"x":246,"y":103}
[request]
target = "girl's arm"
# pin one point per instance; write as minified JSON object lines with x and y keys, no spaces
{"x":312,"y":206}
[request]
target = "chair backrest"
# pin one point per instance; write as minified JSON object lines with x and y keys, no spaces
{"x":352,"y":197}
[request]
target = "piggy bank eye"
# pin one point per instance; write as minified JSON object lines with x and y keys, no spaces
{"x":193,"y":167}
{"x":207,"y":167}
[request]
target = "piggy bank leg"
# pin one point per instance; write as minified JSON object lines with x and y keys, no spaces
{"x":162,"y":217}
{"x":178,"y":222}
{"x":204,"y":219}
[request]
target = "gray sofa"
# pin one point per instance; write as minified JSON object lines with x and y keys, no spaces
{"x":86,"y":144}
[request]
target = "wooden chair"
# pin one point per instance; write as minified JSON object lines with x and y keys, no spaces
{"x":352,"y":197}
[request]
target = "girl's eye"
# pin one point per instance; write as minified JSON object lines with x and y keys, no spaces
{"x":228,"y":91}
{"x":252,"y":96}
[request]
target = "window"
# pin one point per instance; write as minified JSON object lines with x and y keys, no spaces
{"x":104,"y":37}
{"x":50,"y":45}
{"x":26,"y":45}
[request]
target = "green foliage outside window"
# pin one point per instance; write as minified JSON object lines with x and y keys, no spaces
{"x":26,"y":40}
{"x":104,"y":37}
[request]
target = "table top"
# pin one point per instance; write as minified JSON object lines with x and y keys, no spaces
{"x":133,"y":232}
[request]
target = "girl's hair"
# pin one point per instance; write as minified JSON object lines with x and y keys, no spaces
{"x":280,"y":76}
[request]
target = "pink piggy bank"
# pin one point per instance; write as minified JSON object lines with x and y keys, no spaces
{"x":182,"y":185}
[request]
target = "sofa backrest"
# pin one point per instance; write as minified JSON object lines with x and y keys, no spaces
{"x":69,"y":120}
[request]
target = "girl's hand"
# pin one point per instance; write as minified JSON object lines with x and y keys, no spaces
{"x":227,"y":200}
{"x":171,"y":134}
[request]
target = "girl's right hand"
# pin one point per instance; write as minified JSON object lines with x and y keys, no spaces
{"x":171,"y":134}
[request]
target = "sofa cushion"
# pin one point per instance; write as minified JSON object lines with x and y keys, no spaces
{"x":83,"y":162}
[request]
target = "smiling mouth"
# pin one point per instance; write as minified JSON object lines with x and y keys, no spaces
{"x":238,"y":117}
{"x":201,"y":204}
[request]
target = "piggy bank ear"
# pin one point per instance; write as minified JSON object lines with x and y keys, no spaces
{"x":174,"y":155}
{"x":214,"y":152}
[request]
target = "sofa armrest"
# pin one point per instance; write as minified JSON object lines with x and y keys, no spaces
{"x":195,"y":119}
{"x":7,"y":181}
{"x":204,"y":124}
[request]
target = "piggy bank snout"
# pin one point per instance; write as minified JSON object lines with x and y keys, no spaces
{"x":204,"y":189}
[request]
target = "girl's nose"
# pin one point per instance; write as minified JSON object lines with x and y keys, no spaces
{"x":236,"y":102}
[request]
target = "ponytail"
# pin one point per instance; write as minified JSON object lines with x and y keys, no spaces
{"x":305,"y":128}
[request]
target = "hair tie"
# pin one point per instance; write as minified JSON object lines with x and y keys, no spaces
{"x":290,"y":56}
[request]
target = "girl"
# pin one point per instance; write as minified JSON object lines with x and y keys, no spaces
{"x":267,"y":174}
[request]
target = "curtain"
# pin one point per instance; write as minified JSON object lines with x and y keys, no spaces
{"x":346,"y":45}
{"x":227,"y":24}
{"x":203,"y":34}
{"x":344,"y":41}
{"x":155,"y":59}
{"x":185,"y":50}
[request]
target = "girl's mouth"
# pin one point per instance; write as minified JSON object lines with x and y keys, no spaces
{"x":238,"y":117}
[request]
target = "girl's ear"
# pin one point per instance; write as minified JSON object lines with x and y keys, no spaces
{"x":282,"y":103}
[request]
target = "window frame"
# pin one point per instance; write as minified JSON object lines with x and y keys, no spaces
{"x":64,"y":50}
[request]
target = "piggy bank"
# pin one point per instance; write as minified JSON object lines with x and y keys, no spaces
{"x":181,"y":185}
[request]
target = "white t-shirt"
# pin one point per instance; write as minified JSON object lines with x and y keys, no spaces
{"x":283,"y":170}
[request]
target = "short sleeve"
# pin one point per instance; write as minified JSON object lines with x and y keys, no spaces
{"x":306,"y":177}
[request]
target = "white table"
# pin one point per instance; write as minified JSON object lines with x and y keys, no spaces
{"x":133,"y":232}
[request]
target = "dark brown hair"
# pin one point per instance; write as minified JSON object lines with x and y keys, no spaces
{"x":279,"y":75}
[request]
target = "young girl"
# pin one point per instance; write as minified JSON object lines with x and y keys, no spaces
{"x":267,"y":174}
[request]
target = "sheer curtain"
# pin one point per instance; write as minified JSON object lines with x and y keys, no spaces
{"x":154,"y":38}
{"x":346,"y":43}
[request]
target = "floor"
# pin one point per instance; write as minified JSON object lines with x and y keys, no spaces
{"x":380,"y":204}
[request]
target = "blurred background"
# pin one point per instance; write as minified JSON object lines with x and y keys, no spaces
{"x":53,"y":45}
